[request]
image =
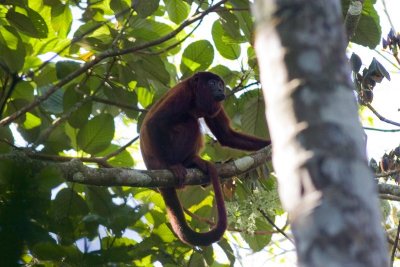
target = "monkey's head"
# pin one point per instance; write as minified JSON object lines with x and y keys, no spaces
{"x":209,"y":91}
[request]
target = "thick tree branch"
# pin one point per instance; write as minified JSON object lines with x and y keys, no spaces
{"x":76,"y":171}
{"x":389,"y":189}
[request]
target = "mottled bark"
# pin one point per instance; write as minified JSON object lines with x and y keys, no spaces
{"x":318,"y":148}
{"x":75,"y":171}
{"x":352,"y":18}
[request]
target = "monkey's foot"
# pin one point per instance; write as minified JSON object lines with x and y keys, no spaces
{"x":179,"y":172}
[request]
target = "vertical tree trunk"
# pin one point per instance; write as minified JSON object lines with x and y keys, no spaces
{"x":319,"y":153}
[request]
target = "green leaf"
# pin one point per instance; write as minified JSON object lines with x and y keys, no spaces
{"x":259,"y":242}
{"x":46,"y":76}
{"x":229,"y":76}
{"x":69,"y":203}
{"x":197,"y":260}
{"x":154,"y":67}
{"x":149,"y":195}
{"x":53,"y":104}
{"x":219,"y":153}
{"x":71,"y":98}
{"x":177,"y":10}
{"x":80,"y":117}
{"x":12,"y":49}
{"x":195,"y":195}
{"x":198,"y":56}
{"x":253,"y":118}
{"x":230,"y":25}
{"x":57,"y":141}
{"x":14,"y":105}
{"x":145,"y":97}
{"x":23,"y":90}
{"x":245,"y":18}
{"x":97,"y":134}
{"x":31,"y":121}
{"x":226,"y":247}
{"x":252,"y":61}
{"x":118,"y":6}
{"x":63,"y":68}
{"x":124,"y":216}
{"x":61,"y":19}
{"x":7,"y":137}
{"x":145,"y":8}
{"x":123,"y":159}
{"x":99,"y":201}
{"x":368,"y":32}
{"x":48,"y":251}
{"x":14,"y":2}
{"x":148,"y":30}
{"x":49,"y":178}
{"x":165,"y":233}
{"x":28,"y":21}
{"x":225,"y":47}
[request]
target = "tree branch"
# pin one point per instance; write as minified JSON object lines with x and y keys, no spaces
{"x":353,"y":17}
{"x":389,"y":189}
{"x":76,"y":171}
{"x":381,"y":130}
{"x":380,"y":117}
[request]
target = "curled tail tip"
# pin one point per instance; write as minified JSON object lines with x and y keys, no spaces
{"x":194,"y":238}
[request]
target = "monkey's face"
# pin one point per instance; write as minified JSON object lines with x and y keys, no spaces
{"x":209,"y":92}
{"x":217,"y":88}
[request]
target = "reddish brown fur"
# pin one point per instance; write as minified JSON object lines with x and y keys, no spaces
{"x":171,"y":139}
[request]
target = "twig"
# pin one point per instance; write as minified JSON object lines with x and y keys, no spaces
{"x":387,"y":59}
{"x":381,"y":130}
{"x":117,"y":104}
{"x":396,"y":242}
{"x":387,"y":15}
{"x":122,"y":148}
{"x":14,"y":81}
{"x":264,"y":214}
{"x":233,"y":229}
{"x":239,"y":88}
{"x":380,"y":117}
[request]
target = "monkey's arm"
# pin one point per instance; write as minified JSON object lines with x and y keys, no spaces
{"x":226,"y":136}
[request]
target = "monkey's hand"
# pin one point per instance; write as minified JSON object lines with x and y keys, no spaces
{"x":179,"y":172}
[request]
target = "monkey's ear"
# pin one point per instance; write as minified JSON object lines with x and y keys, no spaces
{"x":194,"y":80}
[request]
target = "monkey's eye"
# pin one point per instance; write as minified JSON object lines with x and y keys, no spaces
{"x":220,"y":85}
{"x":211,"y":83}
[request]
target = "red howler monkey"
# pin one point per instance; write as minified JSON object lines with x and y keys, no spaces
{"x":170,"y":138}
